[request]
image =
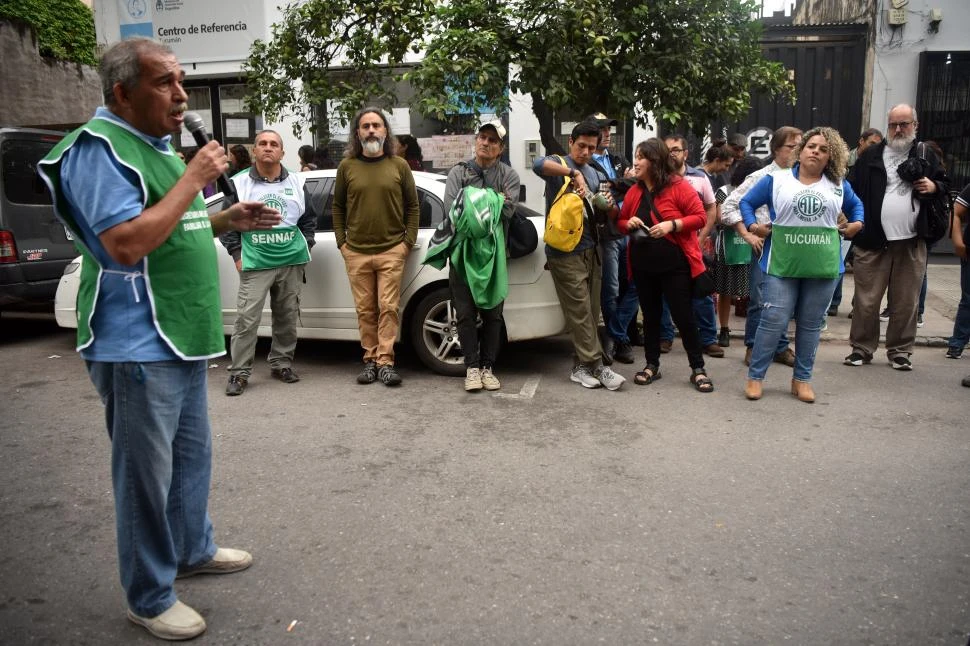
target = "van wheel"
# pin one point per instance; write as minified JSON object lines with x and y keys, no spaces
{"x":434,"y":334}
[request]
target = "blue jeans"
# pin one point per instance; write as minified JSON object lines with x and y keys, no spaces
{"x":704,"y":318}
{"x":626,"y":310}
{"x":961,"y":323}
{"x":837,"y":294}
{"x":161,"y":464}
{"x":805,"y":298}
{"x":612,"y":251}
{"x":755,"y":285}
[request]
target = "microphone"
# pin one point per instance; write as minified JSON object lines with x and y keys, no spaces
{"x":193,"y":122}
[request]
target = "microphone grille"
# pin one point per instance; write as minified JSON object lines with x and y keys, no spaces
{"x":193,"y":121}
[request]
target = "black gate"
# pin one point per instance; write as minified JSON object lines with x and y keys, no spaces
{"x":827,"y":65}
{"x":943,"y":109}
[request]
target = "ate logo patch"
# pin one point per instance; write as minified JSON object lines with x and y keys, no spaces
{"x":276,"y":202}
{"x":809,"y":206}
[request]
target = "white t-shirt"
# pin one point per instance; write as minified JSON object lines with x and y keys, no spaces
{"x":898,"y":208}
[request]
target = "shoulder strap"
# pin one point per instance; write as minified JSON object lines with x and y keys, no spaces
{"x":566,"y":181}
{"x":654,"y":214}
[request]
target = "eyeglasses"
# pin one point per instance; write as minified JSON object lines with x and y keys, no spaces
{"x":676,"y":150}
{"x":900,"y":124}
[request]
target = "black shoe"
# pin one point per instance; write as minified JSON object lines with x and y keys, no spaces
{"x":665,"y":346}
{"x":724,"y":337}
{"x":369,"y":374}
{"x":286,"y":375}
{"x":609,"y":347}
{"x":856,"y":359}
{"x":832,"y":311}
{"x":900,"y":362}
{"x":623,"y":352}
{"x":388,"y":375}
{"x":236,"y":385}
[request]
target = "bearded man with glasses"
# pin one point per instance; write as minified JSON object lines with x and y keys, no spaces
{"x":889,"y":252}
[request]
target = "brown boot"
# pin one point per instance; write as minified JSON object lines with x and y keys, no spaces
{"x":752,"y":390}
{"x":803,"y":390}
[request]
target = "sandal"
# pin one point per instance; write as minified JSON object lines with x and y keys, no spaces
{"x":649,"y":374}
{"x":701,"y":382}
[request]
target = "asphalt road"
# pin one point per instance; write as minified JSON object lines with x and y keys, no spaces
{"x":425,"y":515}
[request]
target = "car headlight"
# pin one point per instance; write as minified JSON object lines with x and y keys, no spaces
{"x":72,"y":267}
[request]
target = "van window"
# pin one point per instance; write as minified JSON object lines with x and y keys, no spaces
{"x":21,"y":183}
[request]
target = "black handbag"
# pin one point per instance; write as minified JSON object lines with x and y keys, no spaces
{"x":522,"y":238}
{"x":703,"y":284}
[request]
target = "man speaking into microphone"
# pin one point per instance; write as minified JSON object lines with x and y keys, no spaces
{"x":149,"y":317}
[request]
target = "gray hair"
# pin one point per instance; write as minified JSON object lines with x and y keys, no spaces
{"x":122,"y":64}
{"x":903,"y":105}
{"x":268,"y":131}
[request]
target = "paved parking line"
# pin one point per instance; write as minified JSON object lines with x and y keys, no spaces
{"x":528,"y":389}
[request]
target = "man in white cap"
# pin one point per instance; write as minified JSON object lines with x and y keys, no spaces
{"x":485,"y":170}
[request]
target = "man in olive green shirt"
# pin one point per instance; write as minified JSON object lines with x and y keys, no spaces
{"x":375,"y":221}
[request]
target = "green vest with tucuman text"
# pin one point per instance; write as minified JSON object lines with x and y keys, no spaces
{"x":181,"y":276}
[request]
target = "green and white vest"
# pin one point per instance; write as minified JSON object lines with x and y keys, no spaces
{"x":284,"y":244}
{"x":805,"y":240}
{"x":181,"y":276}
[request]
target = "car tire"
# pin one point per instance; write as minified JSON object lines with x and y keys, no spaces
{"x":434,"y":334}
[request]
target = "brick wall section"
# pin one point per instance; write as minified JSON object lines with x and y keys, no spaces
{"x":38,"y":91}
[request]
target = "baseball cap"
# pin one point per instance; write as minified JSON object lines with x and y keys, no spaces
{"x":737,"y":139}
{"x":496,"y":126}
{"x":602,"y":120}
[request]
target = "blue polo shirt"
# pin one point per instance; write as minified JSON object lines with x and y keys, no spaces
{"x":102,"y":193}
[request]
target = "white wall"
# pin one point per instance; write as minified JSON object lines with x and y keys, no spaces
{"x":896,"y":67}
{"x":106,"y":24}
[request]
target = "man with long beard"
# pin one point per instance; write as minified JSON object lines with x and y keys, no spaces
{"x":375,"y":223}
{"x":888,"y":251}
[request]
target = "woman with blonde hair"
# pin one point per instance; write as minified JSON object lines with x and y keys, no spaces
{"x":801,"y":258}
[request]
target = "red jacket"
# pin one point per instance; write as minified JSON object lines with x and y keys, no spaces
{"x":677,"y":200}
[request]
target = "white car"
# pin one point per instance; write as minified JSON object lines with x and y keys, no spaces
{"x":428,"y":320}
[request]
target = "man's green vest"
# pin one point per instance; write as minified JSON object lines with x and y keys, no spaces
{"x":181,"y":276}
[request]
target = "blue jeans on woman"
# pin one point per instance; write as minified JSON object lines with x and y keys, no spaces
{"x":755,"y":287}
{"x":161,"y":464}
{"x":805,"y":298}
{"x":961,"y":324}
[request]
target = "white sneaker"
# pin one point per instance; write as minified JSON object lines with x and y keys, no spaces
{"x":225,"y":561}
{"x":177,"y":623}
{"x":582,"y":375}
{"x":609,"y":379}
{"x":473,"y":379}
{"x":489,"y":380}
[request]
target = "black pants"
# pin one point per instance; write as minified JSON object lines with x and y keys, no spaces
{"x":480,"y":347}
{"x":675,"y":286}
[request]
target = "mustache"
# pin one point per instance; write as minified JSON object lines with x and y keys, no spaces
{"x":180,"y":108}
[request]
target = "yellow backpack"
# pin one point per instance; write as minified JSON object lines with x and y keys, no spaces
{"x":564,"y":222}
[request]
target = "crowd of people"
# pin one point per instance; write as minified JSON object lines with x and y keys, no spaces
{"x":772,"y":233}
